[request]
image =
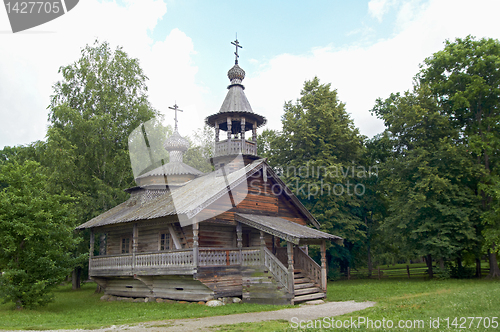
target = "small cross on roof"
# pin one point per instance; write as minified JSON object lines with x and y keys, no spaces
{"x":175,"y":108}
{"x":236,"y":43}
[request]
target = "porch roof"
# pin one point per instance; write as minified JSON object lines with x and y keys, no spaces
{"x":285,"y":229}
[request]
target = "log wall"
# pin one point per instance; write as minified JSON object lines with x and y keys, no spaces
{"x":169,"y":287}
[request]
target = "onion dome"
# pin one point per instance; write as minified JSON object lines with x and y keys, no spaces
{"x":236,"y":74}
{"x":176,"y":143}
{"x":236,"y":104}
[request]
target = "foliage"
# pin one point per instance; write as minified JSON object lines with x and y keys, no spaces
{"x":100,"y":100}
{"x":427,"y":179}
{"x":36,"y":232}
{"x":319,"y":155}
{"x":266,"y":145}
{"x":201,"y":150}
{"x":465,"y":79}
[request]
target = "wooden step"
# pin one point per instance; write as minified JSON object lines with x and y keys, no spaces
{"x":304,"y":285}
{"x":300,"y":275}
{"x":301,"y":280}
{"x":308,"y":297}
{"x":305,"y":291}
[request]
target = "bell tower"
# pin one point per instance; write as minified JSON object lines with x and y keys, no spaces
{"x":235,"y":118}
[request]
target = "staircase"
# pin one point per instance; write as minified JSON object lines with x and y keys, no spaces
{"x":305,"y":289}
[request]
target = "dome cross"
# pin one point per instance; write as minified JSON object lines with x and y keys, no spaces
{"x":236,"y":43}
{"x":175,"y":108}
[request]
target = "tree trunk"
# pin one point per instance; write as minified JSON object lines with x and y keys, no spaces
{"x":428,"y":260}
{"x":494,"y":270}
{"x":441,"y":263}
{"x":76,"y":279}
{"x":370,"y":264}
{"x":478,"y":268}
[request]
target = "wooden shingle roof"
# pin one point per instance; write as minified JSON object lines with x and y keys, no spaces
{"x":285,"y":229}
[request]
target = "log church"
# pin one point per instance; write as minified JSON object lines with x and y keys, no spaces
{"x":237,"y":231}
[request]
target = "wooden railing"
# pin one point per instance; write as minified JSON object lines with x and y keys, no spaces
{"x":178,"y":258}
{"x":235,"y":146}
{"x":228,"y":257}
{"x":308,"y":265}
{"x":111,"y":262}
{"x":175,"y":259}
{"x":278,"y":270}
{"x":282,"y":255}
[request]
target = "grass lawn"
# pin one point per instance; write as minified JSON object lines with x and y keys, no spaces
{"x":396,"y":300}
{"x":406,"y":300}
{"x":84,"y":310}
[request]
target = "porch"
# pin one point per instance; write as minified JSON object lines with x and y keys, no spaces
{"x":295,"y":275}
{"x":259,"y":273}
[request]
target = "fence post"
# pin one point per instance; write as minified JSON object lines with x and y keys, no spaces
{"x":379,"y":273}
{"x":135,"y":245}
{"x":408,"y":270}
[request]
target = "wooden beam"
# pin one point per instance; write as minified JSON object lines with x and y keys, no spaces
{"x":196,"y":228}
{"x":91,"y":250}
{"x":289,"y":249}
{"x":262,"y":246}
{"x":175,"y":238}
{"x":239,"y":234}
{"x":135,"y":244}
{"x":323,"y":265}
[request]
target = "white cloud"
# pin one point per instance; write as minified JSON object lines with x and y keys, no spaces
{"x":29,"y":62}
{"x":363,"y":74}
{"x":378,"y":8}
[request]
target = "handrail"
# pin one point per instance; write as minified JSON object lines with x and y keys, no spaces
{"x":248,"y":256}
{"x":304,"y":262}
{"x":277,"y":269}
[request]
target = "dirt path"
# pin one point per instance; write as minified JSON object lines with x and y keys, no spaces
{"x":303,"y":312}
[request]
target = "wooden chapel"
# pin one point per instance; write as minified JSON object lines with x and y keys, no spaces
{"x":237,"y":231}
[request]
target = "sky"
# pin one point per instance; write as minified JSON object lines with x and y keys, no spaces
{"x":365,"y":49}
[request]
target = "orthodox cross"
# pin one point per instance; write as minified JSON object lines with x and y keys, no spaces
{"x":236,"y":43}
{"x":175,"y":108}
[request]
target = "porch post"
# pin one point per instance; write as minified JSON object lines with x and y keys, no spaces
{"x":91,"y":249}
{"x":323,"y":265}
{"x":239,"y":239}
{"x":289,"y":249}
{"x":239,"y":235}
{"x":262,"y":246}
{"x":229,"y":128}
{"x":217,"y":131}
{"x":135,"y":244}
{"x":196,"y":228}
{"x":243,"y":130}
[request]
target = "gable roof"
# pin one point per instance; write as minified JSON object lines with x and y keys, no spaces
{"x":285,"y":229}
{"x":190,"y":199}
{"x":172,"y":168}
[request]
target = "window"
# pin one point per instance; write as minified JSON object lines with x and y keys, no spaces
{"x":125,"y":245}
{"x":164,"y":241}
